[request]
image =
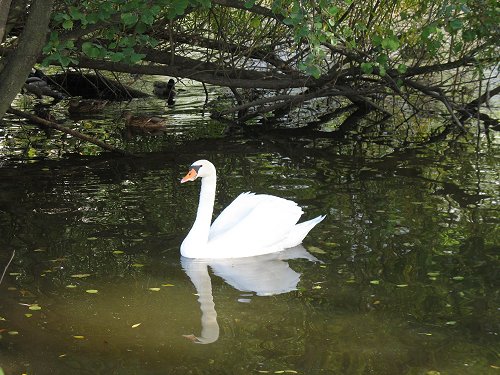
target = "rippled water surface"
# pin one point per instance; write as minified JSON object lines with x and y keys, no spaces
{"x":400,"y":278}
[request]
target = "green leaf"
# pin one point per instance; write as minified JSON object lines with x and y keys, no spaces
{"x":129,"y":19}
{"x":402,"y":68}
{"x":92,"y":291}
{"x":456,"y":24}
{"x":76,"y":14}
{"x":314,"y":71}
{"x":90,"y":49}
{"x":116,"y":56}
{"x":34,"y":307}
{"x":249,"y":4}
{"x":68,"y":24}
{"x":427,"y":31}
{"x":367,"y":68}
{"x":180,"y":7}
{"x":391,"y":43}
{"x":31,"y":152}
{"x":255,"y":22}
{"x":136,"y":57}
{"x":333,"y":10}
{"x":468,"y":35}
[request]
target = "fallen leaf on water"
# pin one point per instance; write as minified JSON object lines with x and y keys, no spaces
{"x":117,"y":252}
{"x":15,"y":274}
{"x":317,"y":287}
{"x":13,"y":333}
{"x":81,"y":275}
{"x":154,"y":289}
{"x":79,"y":337}
{"x":62,"y":355}
{"x":70,"y":286}
{"x":34,"y":307}
{"x":92,"y":291}
{"x":2,"y":318}
{"x":136,"y":325}
{"x":167,"y":284}
{"x":28,"y":315}
{"x":458,"y":278}
{"x":138,"y":265}
{"x":316,"y":250}
{"x":432,"y":274}
{"x":402,"y":285}
{"x":374,"y":282}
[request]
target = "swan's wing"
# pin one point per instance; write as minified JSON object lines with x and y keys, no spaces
{"x":254,"y":222}
{"x":239,"y":208}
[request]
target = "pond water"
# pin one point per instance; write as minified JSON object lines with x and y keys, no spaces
{"x":400,"y":278}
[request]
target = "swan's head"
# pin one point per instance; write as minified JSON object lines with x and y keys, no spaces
{"x":200,"y":168}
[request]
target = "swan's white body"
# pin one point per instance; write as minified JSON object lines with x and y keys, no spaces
{"x":253,"y":224}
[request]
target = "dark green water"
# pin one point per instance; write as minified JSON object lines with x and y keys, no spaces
{"x":407,"y":283}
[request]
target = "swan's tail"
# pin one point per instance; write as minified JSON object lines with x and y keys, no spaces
{"x":300,"y":231}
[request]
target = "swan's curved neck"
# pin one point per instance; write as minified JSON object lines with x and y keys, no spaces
{"x":198,"y":235}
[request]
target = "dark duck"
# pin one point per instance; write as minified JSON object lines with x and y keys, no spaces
{"x":165,"y":90}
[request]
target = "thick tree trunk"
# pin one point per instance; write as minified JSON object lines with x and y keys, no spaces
{"x":20,"y":61}
{"x":4,"y":15}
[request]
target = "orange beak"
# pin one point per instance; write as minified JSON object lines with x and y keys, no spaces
{"x":191,"y":176}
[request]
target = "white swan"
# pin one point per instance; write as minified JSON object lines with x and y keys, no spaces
{"x":253,"y":224}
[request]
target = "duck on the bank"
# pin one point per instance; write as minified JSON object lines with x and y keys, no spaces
{"x":82,"y":106}
{"x":165,"y":90}
{"x":145,"y":123}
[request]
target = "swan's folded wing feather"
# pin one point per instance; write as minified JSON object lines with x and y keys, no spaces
{"x":263,"y":221}
{"x":239,"y":208}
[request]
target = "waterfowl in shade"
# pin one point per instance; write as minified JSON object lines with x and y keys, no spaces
{"x":144,"y":123}
{"x":165,"y":90}
{"x":254,"y":224}
{"x":37,"y":84}
{"x":83,"y":106}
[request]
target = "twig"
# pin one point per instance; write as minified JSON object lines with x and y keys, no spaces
{"x":74,"y":133}
{"x":7,"y":266}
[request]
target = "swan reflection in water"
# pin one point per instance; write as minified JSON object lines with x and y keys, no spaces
{"x":265,"y":275}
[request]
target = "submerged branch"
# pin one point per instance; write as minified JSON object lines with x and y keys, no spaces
{"x":7,"y":266}
{"x":49,"y":124}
